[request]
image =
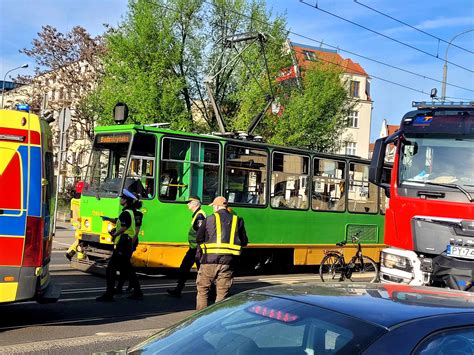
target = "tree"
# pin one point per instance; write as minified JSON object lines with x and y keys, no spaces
{"x":315,"y":116}
{"x":158,"y":58}
{"x":241,"y":89}
{"x":148,"y":60}
{"x":67,"y":68}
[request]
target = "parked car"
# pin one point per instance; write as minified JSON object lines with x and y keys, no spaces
{"x":326,"y":319}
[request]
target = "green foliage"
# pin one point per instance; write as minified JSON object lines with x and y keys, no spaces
{"x":144,"y":65}
{"x":315,"y":116}
{"x":157,"y":61}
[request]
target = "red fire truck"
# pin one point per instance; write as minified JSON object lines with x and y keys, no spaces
{"x":429,"y":224}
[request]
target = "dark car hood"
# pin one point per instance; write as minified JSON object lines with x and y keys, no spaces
{"x":384,"y":305}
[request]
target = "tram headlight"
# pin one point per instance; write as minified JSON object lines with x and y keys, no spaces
{"x":393,"y":261}
{"x":86,"y":223}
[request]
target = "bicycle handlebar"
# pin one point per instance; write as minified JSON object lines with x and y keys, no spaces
{"x":355,"y":239}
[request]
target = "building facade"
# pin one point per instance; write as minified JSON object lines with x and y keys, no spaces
{"x":51,"y":91}
{"x":355,"y":139}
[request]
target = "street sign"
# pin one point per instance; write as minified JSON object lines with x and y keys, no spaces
{"x":64,"y":119}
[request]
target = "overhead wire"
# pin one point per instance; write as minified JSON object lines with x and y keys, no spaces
{"x":373,"y":76}
{"x":343,"y":50}
{"x":412,"y":27}
{"x":377,"y":77}
{"x":316,"y":7}
{"x":378,"y":61}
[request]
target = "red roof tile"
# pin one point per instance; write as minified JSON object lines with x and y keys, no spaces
{"x":326,"y":57}
{"x":391,"y":129}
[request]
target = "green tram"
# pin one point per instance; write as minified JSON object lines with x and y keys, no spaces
{"x":295,"y":203}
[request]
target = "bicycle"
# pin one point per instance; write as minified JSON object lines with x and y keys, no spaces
{"x":333,"y":265}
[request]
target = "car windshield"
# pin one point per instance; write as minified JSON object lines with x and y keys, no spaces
{"x":259,"y":324}
{"x":438,"y":161}
{"x":107,"y":165}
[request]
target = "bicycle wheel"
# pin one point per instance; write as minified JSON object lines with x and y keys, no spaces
{"x":368,"y":269}
{"x":331,"y":268}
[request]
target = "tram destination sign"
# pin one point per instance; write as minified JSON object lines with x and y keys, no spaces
{"x":113,"y":138}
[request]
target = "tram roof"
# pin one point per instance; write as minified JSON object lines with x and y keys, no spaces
{"x":219,"y":138}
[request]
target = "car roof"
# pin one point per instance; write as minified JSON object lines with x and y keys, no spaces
{"x":384,"y":305}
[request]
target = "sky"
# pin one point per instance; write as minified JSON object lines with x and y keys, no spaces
{"x":310,"y":22}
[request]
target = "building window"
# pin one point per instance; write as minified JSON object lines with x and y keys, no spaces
{"x":354,"y":92}
{"x":353,"y":119}
{"x":351,"y":148}
{"x":309,"y":56}
{"x":289,"y":181}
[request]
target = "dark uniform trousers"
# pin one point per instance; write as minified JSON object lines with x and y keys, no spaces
{"x":208,"y":273}
{"x":120,"y":261}
{"x":186,"y":266}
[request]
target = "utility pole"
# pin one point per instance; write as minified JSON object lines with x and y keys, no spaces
{"x":5,"y":78}
{"x":445,"y":66}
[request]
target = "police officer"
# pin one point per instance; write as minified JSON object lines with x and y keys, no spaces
{"x":221,"y":238}
{"x":122,"y":238}
{"x":198,"y":217}
{"x":130,"y":274}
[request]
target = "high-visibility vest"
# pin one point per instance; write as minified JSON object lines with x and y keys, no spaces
{"x":192,"y":233}
{"x":217,"y":246}
{"x":130,"y":231}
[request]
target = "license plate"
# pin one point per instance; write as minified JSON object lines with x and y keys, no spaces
{"x":460,"y":252}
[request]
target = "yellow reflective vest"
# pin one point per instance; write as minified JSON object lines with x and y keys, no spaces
{"x":130,"y":231}
{"x":218,"y":246}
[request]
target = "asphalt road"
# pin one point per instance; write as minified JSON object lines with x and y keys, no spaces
{"x":77,"y":324}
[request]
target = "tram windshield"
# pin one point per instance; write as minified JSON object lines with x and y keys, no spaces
{"x":107,"y":165}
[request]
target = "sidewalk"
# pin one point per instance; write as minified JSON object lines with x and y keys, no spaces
{"x":64,"y":236}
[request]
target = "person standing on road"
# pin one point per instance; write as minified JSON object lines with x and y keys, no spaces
{"x":221,"y":238}
{"x":122,"y":238}
{"x":198,"y":217}
{"x":130,"y":273}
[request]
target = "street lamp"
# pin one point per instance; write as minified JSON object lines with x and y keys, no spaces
{"x":445,"y":67}
{"x":5,"y":77}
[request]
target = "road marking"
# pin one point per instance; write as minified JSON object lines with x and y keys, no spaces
{"x":66,"y":244}
{"x":64,"y":344}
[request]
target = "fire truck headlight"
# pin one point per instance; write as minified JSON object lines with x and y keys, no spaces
{"x":86,"y":224}
{"x":393,"y":261}
{"x":109,"y":227}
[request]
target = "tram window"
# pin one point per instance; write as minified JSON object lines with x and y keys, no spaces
{"x":245,"y":175}
{"x":189,"y":168}
{"x":329,"y":177}
{"x":362,"y":195}
{"x":141,"y":169}
{"x":289,"y":184}
{"x":107,"y":165}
